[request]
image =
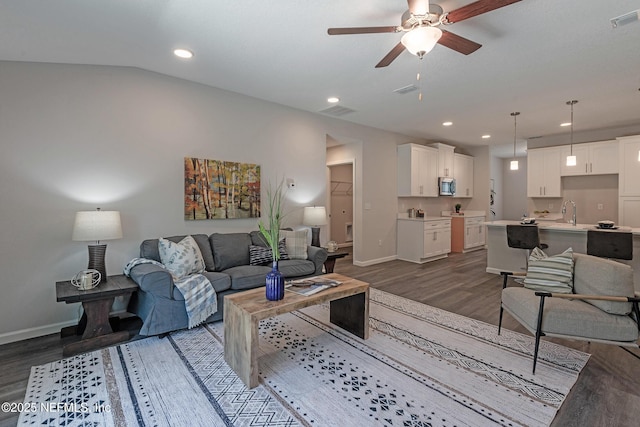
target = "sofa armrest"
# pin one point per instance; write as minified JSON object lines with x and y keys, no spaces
{"x":318,"y":256}
{"x":153,"y":279}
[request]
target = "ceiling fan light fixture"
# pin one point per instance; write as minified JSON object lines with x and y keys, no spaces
{"x":421,"y":40}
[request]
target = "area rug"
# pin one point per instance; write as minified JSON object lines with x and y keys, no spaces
{"x":421,"y":366}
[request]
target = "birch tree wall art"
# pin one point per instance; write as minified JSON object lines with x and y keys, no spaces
{"x":218,"y":189}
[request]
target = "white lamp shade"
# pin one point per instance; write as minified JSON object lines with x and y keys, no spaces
{"x":97,"y":225}
{"x":572,"y":161}
{"x":514,"y":165}
{"x":421,"y":40}
{"x":314,"y":216}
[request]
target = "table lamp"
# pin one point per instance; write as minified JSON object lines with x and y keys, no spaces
{"x":315,"y":216}
{"x":95,"y":226}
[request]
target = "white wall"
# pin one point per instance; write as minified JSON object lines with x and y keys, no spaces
{"x":514,"y":187}
{"x":76,"y":137}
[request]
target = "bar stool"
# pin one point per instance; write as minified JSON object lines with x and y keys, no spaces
{"x":523,"y":236}
{"x":610,"y":244}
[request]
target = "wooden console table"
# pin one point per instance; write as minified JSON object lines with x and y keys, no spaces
{"x":94,"y":325}
{"x":349,"y":309}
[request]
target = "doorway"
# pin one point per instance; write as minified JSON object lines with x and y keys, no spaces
{"x":341,"y":204}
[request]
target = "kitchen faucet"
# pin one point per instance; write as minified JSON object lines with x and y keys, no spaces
{"x":564,"y":210}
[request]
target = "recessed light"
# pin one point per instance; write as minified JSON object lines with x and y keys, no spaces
{"x":447,"y":123}
{"x":333,"y":99}
{"x":565,"y":124}
{"x":486,"y":136}
{"x":183,"y":53}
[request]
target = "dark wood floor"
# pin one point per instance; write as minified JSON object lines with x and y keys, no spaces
{"x":607,"y":392}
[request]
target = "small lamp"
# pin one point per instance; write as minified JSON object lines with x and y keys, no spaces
{"x":95,"y":226}
{"x":315,"y":216}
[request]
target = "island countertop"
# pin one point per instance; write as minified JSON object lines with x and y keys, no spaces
{"x":558,"y":236}
{"x":561,"y":226}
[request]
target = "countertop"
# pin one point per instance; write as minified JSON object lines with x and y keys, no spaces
{"x":464,"y":214}
{"x":405,"y":217}
{"x":560,"y":226}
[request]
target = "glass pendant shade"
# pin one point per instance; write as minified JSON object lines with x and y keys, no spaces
{"x":572,"y":161}
{"x":514,"y":165}
{"x":421,"y":40}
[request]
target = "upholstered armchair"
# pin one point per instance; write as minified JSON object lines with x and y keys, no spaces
{"x":600,"y":306}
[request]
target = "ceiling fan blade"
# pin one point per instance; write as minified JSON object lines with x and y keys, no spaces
{"x":360,"y":30}
{"x":476,"y":8}
{"x":458,"y":43}
{"x":393,"y":54}
{"x":418,"y":7}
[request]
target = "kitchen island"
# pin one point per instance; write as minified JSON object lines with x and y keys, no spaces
{"x":558,"y":236}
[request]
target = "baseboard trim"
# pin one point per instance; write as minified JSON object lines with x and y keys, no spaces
{"x":374,"y":261}
{"x":25,"y":334}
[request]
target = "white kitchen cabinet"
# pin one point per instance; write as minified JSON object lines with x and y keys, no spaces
{"x":593,"y":158}
{"x":417,"y":171}
{"x":629,"y":211}
{"x":629,"y":160}
{"x":423,"y":240}
{"x":446,"y":165}
{"x":463,"y":167}
{"x":467,"y":233}
{"x":543,"y":172}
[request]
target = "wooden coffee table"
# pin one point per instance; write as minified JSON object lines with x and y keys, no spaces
{"x":349,"y":309}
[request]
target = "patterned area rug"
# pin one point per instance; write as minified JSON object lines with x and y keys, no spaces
{"x":421,"y":366}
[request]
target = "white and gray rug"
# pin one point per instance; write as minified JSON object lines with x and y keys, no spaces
{"x":421,"y":366}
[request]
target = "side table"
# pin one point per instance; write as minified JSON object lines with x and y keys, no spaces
{"x":97,"y":302}
{"x":330,"y":263}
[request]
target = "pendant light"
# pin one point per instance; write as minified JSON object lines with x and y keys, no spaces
{"x":514,"y":162}
{"x":571,"y":159}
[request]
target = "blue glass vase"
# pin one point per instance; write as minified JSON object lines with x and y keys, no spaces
{"x":274,"y":283}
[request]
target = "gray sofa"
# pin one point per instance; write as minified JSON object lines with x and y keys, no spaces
{"x":160,"y":304}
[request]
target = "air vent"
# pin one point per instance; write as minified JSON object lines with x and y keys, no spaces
{"x":337,"y":111}
{"x":625,"y":19}
{"x":406,"y":89}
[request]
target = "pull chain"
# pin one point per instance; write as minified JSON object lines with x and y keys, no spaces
{"x":419,"y":80}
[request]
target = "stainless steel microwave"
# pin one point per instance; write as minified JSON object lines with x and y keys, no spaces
{"x":447,"y":186}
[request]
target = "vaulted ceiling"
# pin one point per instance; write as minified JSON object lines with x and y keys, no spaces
{"x":535,"y":56}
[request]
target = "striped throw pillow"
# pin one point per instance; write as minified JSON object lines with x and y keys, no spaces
{"x":261,"y":255}
{"x":550,"y":273}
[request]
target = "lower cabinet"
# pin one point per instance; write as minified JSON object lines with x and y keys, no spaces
{"x":467,"y":234}
{"x":422,"y":240}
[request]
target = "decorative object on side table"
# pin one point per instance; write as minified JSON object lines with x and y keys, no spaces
{"x":95,"y":226}
{"x":315,"y":216}
{"x":332,"y":246}
{"x":274,"y":280}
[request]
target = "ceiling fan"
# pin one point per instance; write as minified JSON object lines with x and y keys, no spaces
{"x":420,"y":24}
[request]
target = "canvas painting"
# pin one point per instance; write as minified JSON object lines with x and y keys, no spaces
{"x":218,"y":189}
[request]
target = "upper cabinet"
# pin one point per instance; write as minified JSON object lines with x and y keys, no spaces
{"x":543,"y":172}
{"x":445,"y":160}
{"x":463,"y":166}
{"x":629,"y":157}
{"x":593,"y":158}
{"x":417,"y":171}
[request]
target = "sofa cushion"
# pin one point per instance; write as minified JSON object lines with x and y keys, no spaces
{"x":149,"y":249}
{"x":567,"y":317}
{"x":182,"y":258}
{"x":600,"y":276}
{"x":247,"y":276}
{"x":296,"y":268}
{"x":297,"y":242}
{"x":550,"y":273}
{"x":258,"y":239}
{"x":230,"y":249}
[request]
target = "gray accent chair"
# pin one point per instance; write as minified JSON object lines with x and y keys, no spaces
{"x":161,"y":305}
{"x":603,"y":308}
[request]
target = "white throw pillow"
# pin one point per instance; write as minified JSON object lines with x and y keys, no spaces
{"x":182,"y":258}
{"x":297,"y":242}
